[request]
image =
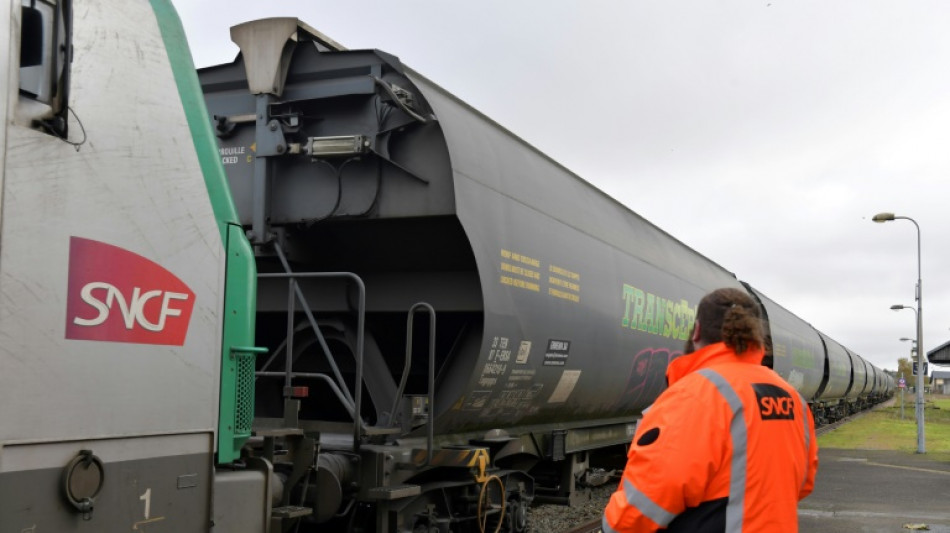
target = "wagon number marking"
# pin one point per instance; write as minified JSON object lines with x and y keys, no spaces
{"x":147,"y":498}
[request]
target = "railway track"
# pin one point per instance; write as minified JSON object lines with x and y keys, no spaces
{"x":592,"y":526}
{"x":821,"y":430}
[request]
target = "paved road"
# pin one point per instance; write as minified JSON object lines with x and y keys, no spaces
{"x":877,"y":491}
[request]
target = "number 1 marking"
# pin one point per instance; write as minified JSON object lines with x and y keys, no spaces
{"x":147,"y":498}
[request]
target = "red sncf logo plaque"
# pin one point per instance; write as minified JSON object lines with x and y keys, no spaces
{"x":115,"y":295}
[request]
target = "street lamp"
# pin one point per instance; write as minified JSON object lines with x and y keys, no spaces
{"x":913,"y":343}
{"x":913,"y":350}
{"x":921,"y":447}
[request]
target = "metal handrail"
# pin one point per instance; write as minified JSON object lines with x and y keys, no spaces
{"x":361,"y":310}
{"x":313,"y":321}
{"x":407,"y":365}
{"x":280,"y":347}
{"x":430,"y":422}
{"x":315,"y":375}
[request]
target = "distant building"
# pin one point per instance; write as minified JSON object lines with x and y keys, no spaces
{"x":941,"y":381}
{"x":941,"y":378}
{"x":940,"y":355}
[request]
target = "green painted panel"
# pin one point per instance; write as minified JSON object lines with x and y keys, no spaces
{"x":237,"y":366}
{"x":237,"y":352}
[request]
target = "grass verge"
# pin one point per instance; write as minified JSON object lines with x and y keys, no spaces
{"x":883,"y":429}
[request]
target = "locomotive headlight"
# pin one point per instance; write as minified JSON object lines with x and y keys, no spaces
{"x":336,"y":146}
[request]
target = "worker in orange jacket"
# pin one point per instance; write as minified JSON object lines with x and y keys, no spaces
{"x":728,"y":446}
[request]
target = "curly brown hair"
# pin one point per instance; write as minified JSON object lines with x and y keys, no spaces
{"x":731,"y":316}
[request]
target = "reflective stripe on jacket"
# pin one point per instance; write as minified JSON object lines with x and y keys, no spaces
{"x":729,"y":446}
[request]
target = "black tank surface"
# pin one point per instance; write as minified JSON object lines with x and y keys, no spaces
{"x":585,"y":302}
{"x":798,"y":354}
{"x":556,"y":305}
{"x":839,"y":365}
{"x":859,"y":376}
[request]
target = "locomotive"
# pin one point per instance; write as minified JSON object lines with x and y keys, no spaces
{"x":311,"y":290}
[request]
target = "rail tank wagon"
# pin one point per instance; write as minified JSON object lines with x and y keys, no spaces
{"x":544,"y":288}
{"x":832,"y":401}
{"x":556,"y":309}
{"x":859,"y":377}
{"x":798,"y":354}
{"x":491,"y":302}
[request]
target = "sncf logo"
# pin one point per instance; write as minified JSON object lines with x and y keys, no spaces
{"x":775,"y":403}
{"x":118,"y":296}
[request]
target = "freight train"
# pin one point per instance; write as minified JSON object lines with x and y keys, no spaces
{"x":310,"y":290}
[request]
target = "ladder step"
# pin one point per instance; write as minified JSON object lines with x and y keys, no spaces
{"x":395,"y":492}
{"x":379,"y":430}
{"x":291,"y":511}
{"x":278,"y":432}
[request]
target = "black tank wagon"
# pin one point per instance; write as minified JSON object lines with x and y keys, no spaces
{"x":490,"y":317}
{"x":835,"y":381}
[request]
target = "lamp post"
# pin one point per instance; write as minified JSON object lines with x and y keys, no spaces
{"x":921,"y":447}
{"x":913,"y":350}
{"x":913,"y":343}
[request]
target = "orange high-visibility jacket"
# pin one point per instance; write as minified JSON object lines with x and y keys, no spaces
{"x":729,"y":446}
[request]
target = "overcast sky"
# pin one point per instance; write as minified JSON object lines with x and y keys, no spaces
{"x":765,"y":135}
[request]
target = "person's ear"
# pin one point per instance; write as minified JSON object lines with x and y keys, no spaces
{"x":696,"y":332}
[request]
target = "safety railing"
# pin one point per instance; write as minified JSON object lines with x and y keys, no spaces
{"x":430,"y":395}
{"x":352,"y":402}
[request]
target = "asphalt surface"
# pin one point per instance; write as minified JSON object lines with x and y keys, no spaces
{"x":877,"y":491}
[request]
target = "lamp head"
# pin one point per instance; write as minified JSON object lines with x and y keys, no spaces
{"x":896,"y":307}
{"x":883,"y":217}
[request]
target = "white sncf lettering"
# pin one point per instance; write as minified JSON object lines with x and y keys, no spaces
{"x":133,"y":309}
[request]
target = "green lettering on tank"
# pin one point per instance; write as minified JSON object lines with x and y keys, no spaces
{"x":627,"y":298}
{"x":839,"y":366}
{"x":670,"y":325}
{"x":649,"y":324}
{"x":656,"y":315}
{"x":690,"y":319}
{"x":802,"y":358}
{"x":660,"y":321}
{"x":638,"y":310}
